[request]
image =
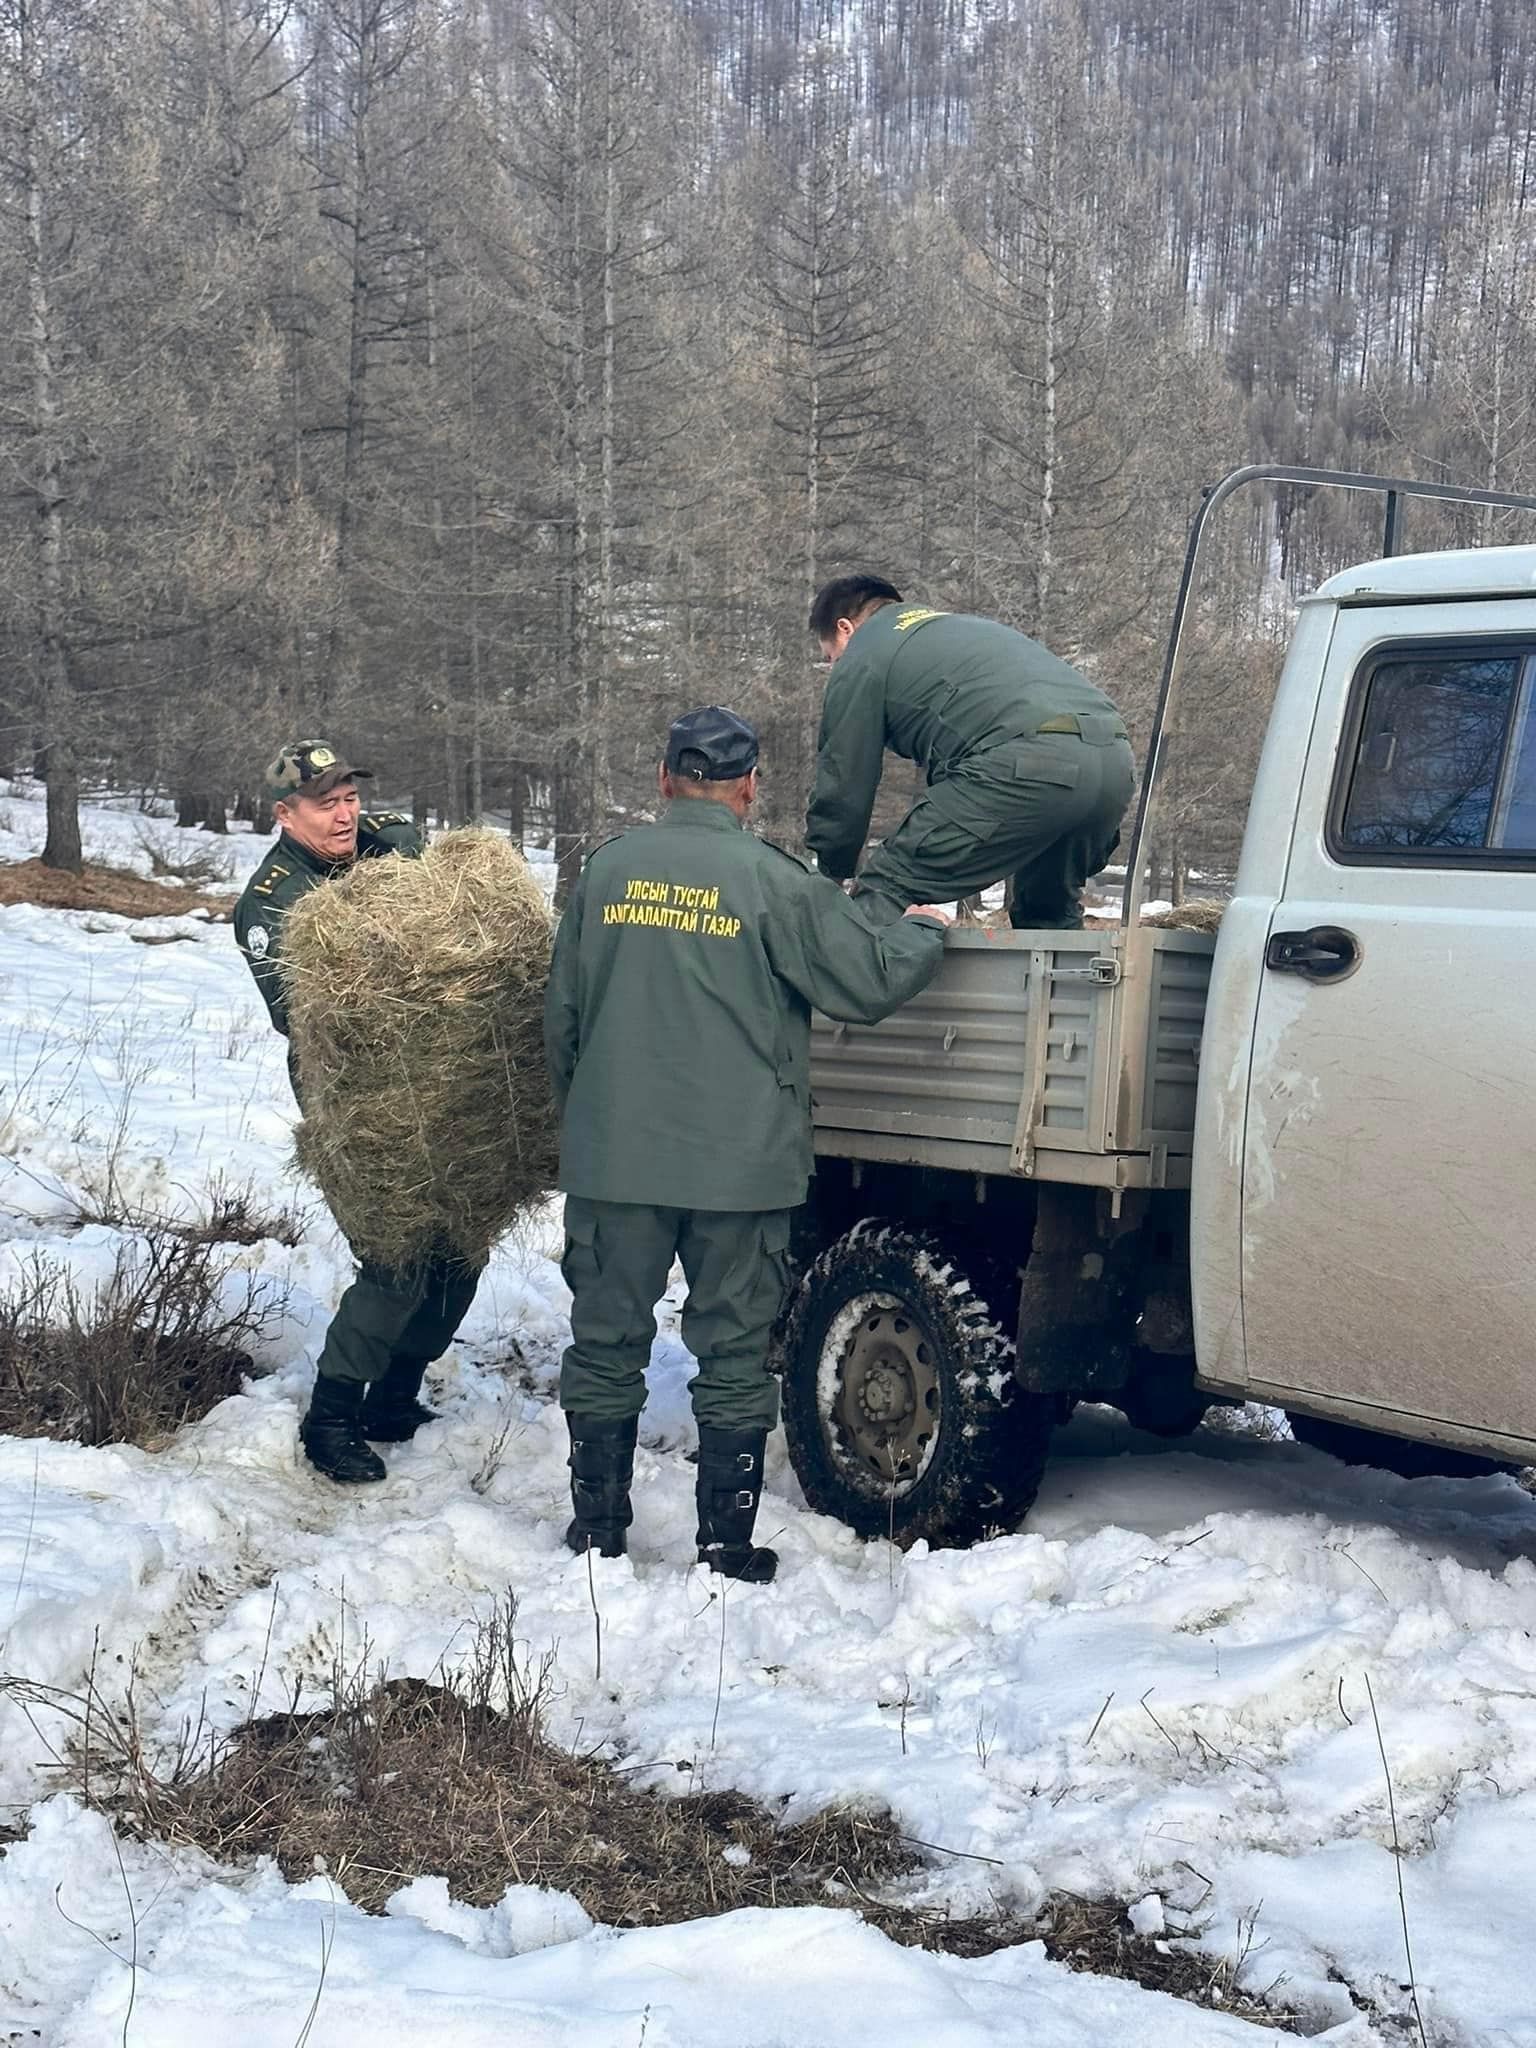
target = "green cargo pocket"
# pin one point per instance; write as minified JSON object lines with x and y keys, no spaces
{"x":1055,"y":762}
{"x":929,"y":835}
{"x":579,"y":1259}
{"x":775,"y":1239}
{"x":798,"y":1085}
{"x":776,"y":1230}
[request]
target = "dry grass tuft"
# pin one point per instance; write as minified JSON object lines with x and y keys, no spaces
{"x":395,"y":1779}
{"x":158,"y":1345}
{"x":114,"y":890}
{"x":400,"y":1778}
{"x":410,"y":1779}
{"x":416,"y":993}
{"x":1094,"y":1934}
{"x":1200,"y":914}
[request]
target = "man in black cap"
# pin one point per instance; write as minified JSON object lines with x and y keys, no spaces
{"x":392,"y":1321}
{"x":678,"y":1034}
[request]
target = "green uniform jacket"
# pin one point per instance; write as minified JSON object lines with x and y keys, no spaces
{"x":937,"y":688}
{"x":289,"y":872}
{"x":678,"y":1020}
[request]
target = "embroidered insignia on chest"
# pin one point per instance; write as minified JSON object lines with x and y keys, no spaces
{"x":257,"y":942}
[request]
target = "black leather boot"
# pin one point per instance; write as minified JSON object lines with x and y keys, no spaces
{"x":730,"y":1485}
{"x":602,"y":1465}
{"x":391,"y":1412}
{"x":332,"y":1433}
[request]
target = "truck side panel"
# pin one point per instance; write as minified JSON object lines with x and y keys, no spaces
{"x":953,"y":1067}
{"x":1048,"y":1055}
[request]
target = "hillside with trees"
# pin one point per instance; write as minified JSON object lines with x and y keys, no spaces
{"x":481,"y":381}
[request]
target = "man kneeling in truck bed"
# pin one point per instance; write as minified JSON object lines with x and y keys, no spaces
{"x":1029,"y":767}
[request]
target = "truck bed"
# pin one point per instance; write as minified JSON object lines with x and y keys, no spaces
{"x":1063,"y":1056}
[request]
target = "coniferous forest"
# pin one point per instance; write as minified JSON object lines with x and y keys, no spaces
{"x":483,"y":381}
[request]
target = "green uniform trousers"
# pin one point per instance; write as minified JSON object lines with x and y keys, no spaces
{"x":392,"y":1315}
{"x":1045,"y":812}
{"x":618,"y":1256}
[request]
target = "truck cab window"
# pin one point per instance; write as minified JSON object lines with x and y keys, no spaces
{"x":1445,"y":758}
{"x":1514,"y":821}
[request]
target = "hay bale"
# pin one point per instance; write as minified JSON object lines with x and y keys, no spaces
{"x":415,"y":999}
{"x":1200,"y":914}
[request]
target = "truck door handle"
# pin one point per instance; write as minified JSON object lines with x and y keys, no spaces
{"x":1325,"y":953}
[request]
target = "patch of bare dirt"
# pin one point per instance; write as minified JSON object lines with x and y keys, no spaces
{"x":114,"y":890}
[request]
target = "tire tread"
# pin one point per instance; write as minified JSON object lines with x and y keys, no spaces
{"x":990,"y":1459}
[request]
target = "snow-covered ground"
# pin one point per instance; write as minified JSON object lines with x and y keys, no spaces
{"x":1158,"y":1688}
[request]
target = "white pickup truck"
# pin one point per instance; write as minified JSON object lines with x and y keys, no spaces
{"x":1293,"y":1161}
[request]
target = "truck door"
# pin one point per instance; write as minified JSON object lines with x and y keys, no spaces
{"x":1389,"y":1151}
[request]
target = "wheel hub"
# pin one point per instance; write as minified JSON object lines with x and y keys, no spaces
{"x":885,"y":1410}
{"x":885,"y":1392}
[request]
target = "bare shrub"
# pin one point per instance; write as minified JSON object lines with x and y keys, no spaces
{"x":156,"y":1346}
{"x":232,"y":1213}
{"x":1250,"y":1419}
{"x":169,"y":860}
{"x":238,"y":1215}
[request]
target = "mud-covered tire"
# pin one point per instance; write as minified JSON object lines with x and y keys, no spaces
{"x":1352,"y":1445}
{"x":973,"y":1442}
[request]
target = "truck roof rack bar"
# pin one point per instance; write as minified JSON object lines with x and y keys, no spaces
{"x":1394,"y":489}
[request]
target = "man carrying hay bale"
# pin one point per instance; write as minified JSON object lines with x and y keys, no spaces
{"x":678,"y":1033}
{"x":394,"y":1319}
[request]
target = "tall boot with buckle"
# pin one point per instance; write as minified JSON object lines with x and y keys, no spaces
{"x":391,"y":1412}
{"x":602,"y":1465}
{"x":729,"y":1487}
{"x":332,"y":1433}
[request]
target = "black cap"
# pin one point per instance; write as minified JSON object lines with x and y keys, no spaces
{"x":712,"y":745}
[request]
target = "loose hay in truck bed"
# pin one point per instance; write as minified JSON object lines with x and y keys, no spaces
{"x":415,"y":999}
{"x":1198,"y":914}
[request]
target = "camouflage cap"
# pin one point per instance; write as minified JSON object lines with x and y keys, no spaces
{"x":309,"y":768}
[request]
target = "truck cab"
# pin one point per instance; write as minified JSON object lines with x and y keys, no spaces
{"x":1282,"y":1158}
{"x":1363,"y":1193}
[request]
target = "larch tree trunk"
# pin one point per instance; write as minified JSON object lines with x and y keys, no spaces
{"x":61,"y":848}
